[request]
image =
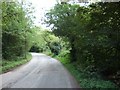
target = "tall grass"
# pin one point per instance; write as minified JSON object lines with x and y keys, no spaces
{"x":85,"y":79}
{"x":8,"y":65}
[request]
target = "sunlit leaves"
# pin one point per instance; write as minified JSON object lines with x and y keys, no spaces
{"x":15,"y":30}
{"x":92,"y":31}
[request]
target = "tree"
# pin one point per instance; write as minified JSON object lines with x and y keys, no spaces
{"x":15,"y":30}
{"x":106,"y":32}
{"x":93,"y":33}
{"x":62,"y":17}
{"x":52,"y":42}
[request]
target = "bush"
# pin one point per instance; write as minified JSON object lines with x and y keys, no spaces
{"x":35,"y":48}
{"x":55,"y":47}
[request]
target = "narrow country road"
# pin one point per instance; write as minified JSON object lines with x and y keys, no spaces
{"x":41,"y":72}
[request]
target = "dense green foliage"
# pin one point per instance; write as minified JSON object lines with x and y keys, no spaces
{"x":16,"y":34}
{"x":45,"y":41}
{"x":93,"y":33}
{"x":8,"y":65}
{"x":84,"y":78}
{"x":91,"y":38}
{"x":52,"y":42}
{"x":15,"y":30}
{"x":19,"y":35}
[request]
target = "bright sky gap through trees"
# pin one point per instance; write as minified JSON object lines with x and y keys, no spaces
{"x":42,"y":6}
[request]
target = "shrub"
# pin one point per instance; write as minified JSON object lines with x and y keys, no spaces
{"x":35,"y":48}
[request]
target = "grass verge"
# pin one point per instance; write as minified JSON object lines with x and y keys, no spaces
{"x":8,"y":65}
{"x":84,"y":79}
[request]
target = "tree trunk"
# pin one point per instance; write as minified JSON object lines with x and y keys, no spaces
{"x":73,"y":50}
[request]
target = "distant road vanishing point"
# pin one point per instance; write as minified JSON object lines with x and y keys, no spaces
{"x":41,"y":72}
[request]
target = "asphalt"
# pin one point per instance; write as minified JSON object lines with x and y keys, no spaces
{"x":41,"y":72}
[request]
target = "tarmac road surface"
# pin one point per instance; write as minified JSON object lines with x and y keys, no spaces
{"x":41,"y":72}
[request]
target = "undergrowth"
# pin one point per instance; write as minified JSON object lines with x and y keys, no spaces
{"x":7,"y":65}
{"x":85,"y":79}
